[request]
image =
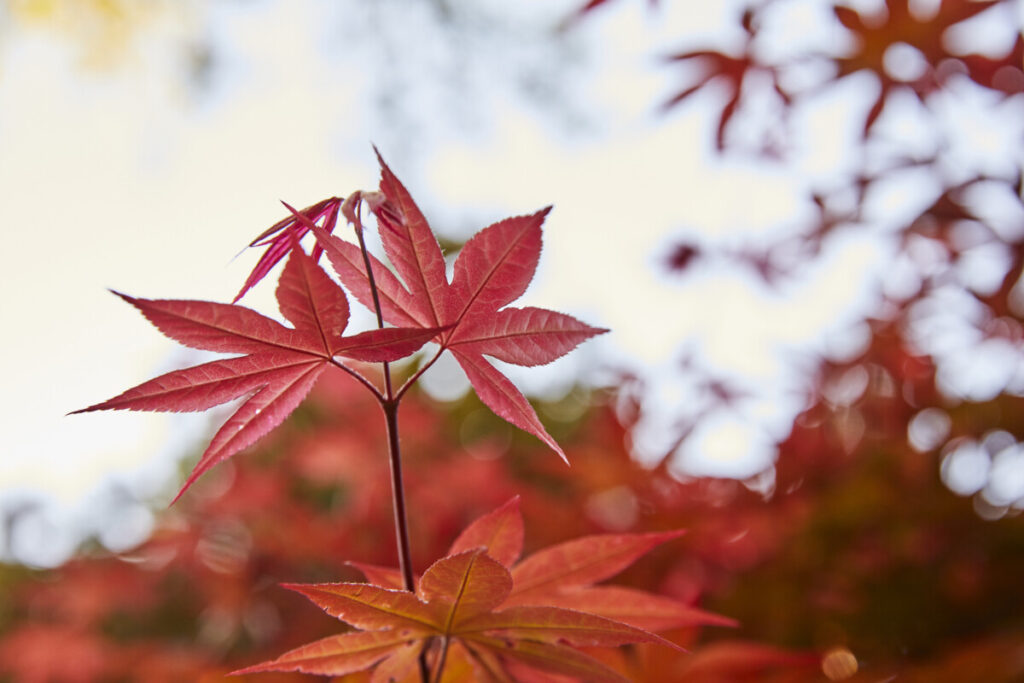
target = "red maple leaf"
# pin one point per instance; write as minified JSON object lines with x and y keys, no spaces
{"x":280,"y":364}
{"x":491,"y":615}
{"x":492,"y":270}
{"x":730,"y":70}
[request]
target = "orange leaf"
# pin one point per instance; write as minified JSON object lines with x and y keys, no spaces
{"x":469,"y":584}
{"x":369,"y":607}
{"x":337,"y":655}
{"x":581,"y":562}
{"x":500,"y":532}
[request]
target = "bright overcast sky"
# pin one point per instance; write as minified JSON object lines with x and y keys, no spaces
{"x":122,"y":178}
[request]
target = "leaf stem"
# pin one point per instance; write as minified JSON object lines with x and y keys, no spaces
{"x":359,"y":378}
{"x":389,"y":404}
{"x":398,"y":494}
{"x":412,"y":380}
{"x":440,"y":659}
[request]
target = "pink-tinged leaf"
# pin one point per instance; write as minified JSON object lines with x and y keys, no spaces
{"x":208,"y":385}
{"x":397,"y":305}
{"x":410,"y":244}
{"x":338,"y":655}
{"x":502,"y":397}
{"x":467,"y":584}
{"x":385,"y":577}
{"x":499,"y":532}
{"x":370,"y":607}
{"x":636,"y":608}
{"x":280,"y":239}
{"x":385,"y":345}
{"x":555,"y":625}
{"x":556,"y":658}
{"x":221,"y":327}
{"x":311,"y":300}
{"x":402,"y":663}
{"x":266,"y":409}
{"x":580,"y":562}
{"x":496,"y":265}
{"x":524,"y":336}
{"x":282,"y":366}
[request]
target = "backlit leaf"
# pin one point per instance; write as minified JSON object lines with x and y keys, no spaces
{"x":281,"y":366}
{"x":581,"y":562}
{"x":469,"y":583}
{"x":493,"y":269}
{"x":341,"y":654}
{"x":500,"y":532}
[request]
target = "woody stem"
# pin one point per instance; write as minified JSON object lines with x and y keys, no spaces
{"x":398,"y":493}
{"x":389,"y":404}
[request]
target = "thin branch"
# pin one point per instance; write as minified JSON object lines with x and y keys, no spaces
{"x":389,"y":403}
{"x":398,"y":495}
{"x":362,"y":380}
{"x":358,"y":226}
{"x":412,"y":380}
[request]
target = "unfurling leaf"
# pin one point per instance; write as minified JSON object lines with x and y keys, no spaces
{"x":282,"y":236}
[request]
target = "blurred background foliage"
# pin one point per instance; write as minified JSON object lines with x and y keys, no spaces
{"x":885,"y":542}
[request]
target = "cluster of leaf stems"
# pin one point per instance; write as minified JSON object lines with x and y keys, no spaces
{"x":389,"y":401}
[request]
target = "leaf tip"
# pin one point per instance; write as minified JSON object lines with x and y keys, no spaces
{"x":125,"y":297}
{"x":181,"y":491}
{"x":670,"y":535}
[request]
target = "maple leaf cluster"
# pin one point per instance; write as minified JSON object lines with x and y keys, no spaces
{"x":482,"y":614}
{"x":280,"y":365}
{"x":874,"y":31}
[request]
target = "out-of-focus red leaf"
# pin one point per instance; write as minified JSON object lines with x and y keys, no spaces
{"x":738,"y":660}
{"x":500,"y":532}
{"x":581,"y":562}
{"x":894,"y":24}
{"x":636,"y":608}
{"x":731,"y":70}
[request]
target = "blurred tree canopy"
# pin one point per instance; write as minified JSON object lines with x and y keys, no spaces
{"x":886,"y":539}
